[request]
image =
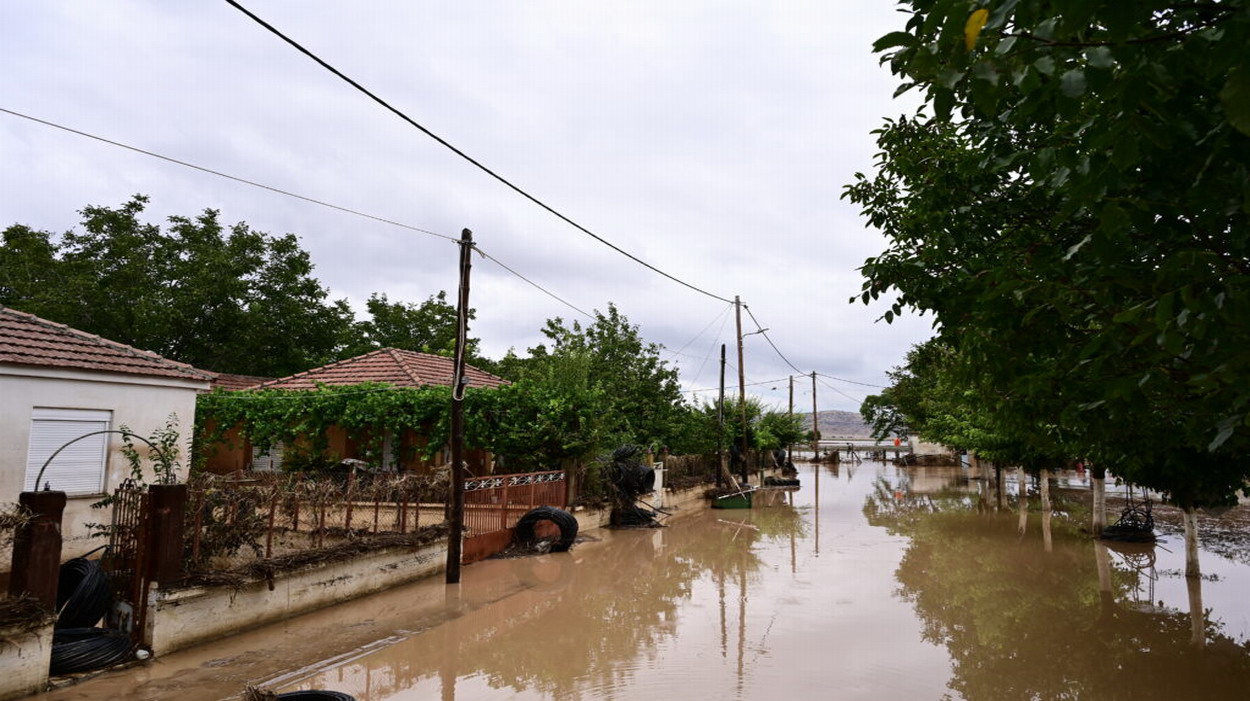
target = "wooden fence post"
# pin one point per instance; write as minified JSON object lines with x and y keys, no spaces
{"x":36,"y":563}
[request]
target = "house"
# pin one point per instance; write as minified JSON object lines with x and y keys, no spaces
{"x":58,"y":384}
{"x":391,"y":366}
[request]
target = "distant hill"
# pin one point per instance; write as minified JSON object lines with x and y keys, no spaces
{"x":840,"y":424}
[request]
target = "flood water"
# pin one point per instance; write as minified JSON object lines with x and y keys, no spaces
{"x":869,"y":582}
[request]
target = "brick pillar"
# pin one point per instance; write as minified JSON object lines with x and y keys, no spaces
{"x":167,"y":504}
{"x":37,"y":548}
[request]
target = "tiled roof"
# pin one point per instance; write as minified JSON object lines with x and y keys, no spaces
{"x":401,"y":368}
{"x":230,"y":381}
{"x":26,"y":339}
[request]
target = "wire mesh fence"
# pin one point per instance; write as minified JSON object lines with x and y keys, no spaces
{"x":233,"y":519}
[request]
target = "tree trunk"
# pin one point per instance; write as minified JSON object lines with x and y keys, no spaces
{"x":998,"y":489}
{"x":1098,"y":482}
{"x":1197,"y":617}
{"x":1103,"y":558}
{"x":1022,"y":491}
{"x":1191,"y":543}
{"x":1044,"y":484}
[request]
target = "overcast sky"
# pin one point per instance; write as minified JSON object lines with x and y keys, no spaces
{"x":711,"y":139}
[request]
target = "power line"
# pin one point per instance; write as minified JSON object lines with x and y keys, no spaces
{"x":539,"y":287}
{"x":853,"y":382}
{"x":761,"y":331}
{"x":294,"y":195}
{"x":466,"y":156}
{"x":227,"y":176}
{"x":844,"y":394}
{"x":701,"y":332}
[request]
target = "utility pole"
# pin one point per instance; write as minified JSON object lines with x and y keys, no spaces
{"x":457,"y":413}
{"x":815,"y":422}
{"x":742,"y":388}
{"x":721,"y":468}
{"x":790,"y":412}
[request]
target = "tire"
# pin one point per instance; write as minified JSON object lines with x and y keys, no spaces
{"x":565,"y":521}
{"x":316,"y":695}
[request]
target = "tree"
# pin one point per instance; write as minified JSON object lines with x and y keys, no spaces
{"x":641,"y":396}
{"x":223,"y":298}
{"x":429,"y":327}
{"x":1075,"y":214}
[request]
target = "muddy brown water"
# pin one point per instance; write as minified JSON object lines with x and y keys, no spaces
{"x":869,"y":582}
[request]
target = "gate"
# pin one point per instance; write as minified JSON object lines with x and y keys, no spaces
{"x":126,"y":560}
{"x":493,"y":505}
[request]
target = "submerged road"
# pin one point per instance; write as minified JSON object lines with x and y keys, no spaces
{"x":849,"y":588}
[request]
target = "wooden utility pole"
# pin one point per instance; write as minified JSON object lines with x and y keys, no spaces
{"x":815,"y":422}
{"x":742,"y":388}
{"x":457,"y":413}
{"x":721,"y":468}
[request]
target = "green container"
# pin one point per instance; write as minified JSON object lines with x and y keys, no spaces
{"x":737,"y":501}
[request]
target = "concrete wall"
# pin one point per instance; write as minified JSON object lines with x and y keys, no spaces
{"x":141,"y":403}
{"x":24,"y":657}
{"x":184,"y":617}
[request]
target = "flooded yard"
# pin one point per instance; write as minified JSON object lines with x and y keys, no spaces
{"x":868,"y":582}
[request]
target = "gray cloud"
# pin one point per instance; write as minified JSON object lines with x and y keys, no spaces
{"x":710,"y":138}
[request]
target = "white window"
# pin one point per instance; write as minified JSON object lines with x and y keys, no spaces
{"x":80,"y":467}
{"x":267,"y":460}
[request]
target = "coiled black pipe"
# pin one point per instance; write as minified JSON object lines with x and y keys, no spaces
{"x":83,"y":593}
{"x":85,"y":649}
{"x":316,"y":695}
{"x":566,"y":522}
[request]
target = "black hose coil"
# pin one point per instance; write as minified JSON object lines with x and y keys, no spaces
{"x":83,"y":593}
{"x":565,"y":521}
{"x":85,"y":649}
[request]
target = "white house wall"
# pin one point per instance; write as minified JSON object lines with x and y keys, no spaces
{"x":141,"y":403}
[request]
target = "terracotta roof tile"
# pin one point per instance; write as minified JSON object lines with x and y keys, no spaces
{"x":26,"y":339}
{"x":401,"y":368}
{"x":230,"y":381}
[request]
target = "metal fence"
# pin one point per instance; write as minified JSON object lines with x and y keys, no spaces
{"x":497,"y":502}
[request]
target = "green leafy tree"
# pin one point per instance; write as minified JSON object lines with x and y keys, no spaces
{"x":224,"y":298}
{"x":1075,"y":215}
{"x":429,"y":327}
{"x":642,"y":399}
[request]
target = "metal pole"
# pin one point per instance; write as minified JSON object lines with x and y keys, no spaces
{"x":742,"y":388}
{"x":790,"y":412}
{"x":815,"y":422}
{"x":457,"y":413}
{"x":721,"y":470}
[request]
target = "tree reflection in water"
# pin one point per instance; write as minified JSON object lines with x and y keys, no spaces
{"x":584,"y":624}
{"x":1023,"y":623}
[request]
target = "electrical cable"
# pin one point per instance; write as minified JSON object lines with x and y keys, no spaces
{"x":696,"y":337}
{"x":844,"y":394}
{"x":227,"y":176}
{"x":294,"y":195}
{"x":762,"y":331}
{"x":466,"y":156}
{"x":853,"y":382}
{"x":537,"y":286}
{"x":712,"y":348}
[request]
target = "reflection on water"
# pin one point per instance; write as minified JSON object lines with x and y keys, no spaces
{"x":1084,"y":620}
{"x":868,"y":582}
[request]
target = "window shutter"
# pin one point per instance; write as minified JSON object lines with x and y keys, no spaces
{"x":79,"y":468}
{"x":267,"y":461}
